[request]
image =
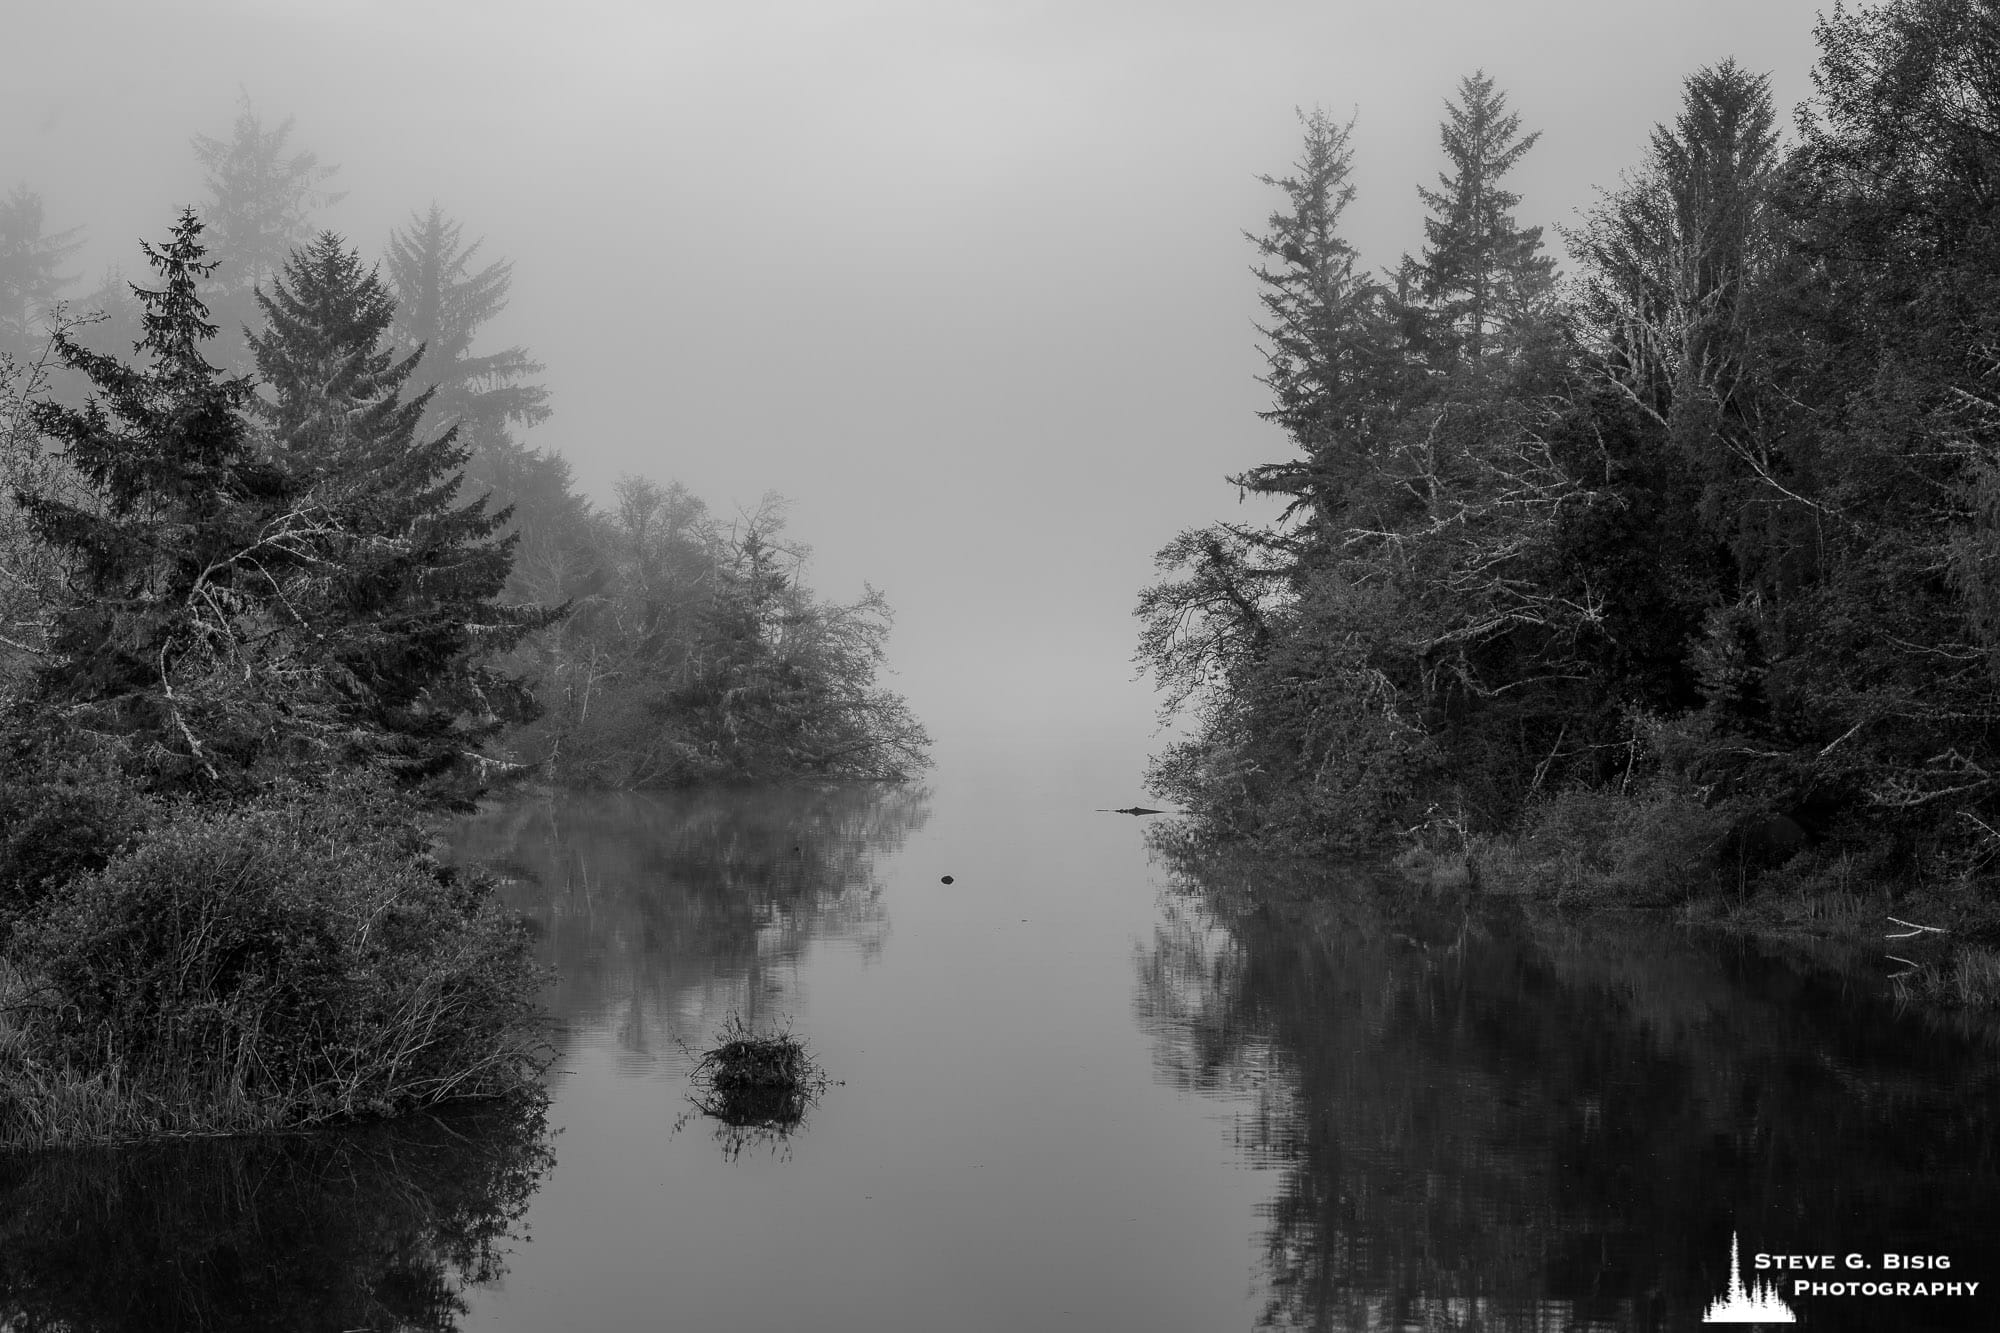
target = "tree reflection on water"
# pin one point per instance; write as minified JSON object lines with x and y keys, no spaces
{"x":1480,"y":1120}
{"x":662,"y":912}
{"x":379,"y":1227}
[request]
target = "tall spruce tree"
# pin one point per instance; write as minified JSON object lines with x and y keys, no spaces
{"x":411,"y":622}
{"x":1327,"y":345}
{"x":175,"y":550}
{"x":1674,"y":313}
{"x":1254,"y":626}
{"x":442,"y":302}
{"x":1480,"y":272}
{"x":1403,"y":637}
{"x":1673,"y":258}
{"x":335,"y":396}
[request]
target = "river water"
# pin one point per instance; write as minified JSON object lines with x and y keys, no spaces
{"x":1083,"y":1086}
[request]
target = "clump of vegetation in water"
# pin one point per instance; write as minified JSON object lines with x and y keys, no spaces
{"x":758,"y":1086}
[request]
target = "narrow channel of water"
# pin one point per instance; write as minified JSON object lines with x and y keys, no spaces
{"x":1080,"y":1087}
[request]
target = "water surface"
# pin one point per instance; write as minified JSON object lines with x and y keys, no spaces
{"x":1084,"y":1086}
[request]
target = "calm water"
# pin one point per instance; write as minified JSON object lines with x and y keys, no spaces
{"x":1081,"y":1089}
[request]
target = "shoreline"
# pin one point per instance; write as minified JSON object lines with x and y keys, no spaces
{"x":1930,"y":938}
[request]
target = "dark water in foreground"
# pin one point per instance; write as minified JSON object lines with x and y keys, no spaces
{"x":1081,"y":1089}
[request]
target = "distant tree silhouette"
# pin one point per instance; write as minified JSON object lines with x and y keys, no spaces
{"x":262,"y":197}
{"x":31,"y":259}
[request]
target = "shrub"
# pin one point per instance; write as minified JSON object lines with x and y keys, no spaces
{"x":61,"y":815}
{"x":1645,"y":846}
{"x":283,"y":962}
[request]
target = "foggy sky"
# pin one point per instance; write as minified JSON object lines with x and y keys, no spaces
{"x":965,"y":280}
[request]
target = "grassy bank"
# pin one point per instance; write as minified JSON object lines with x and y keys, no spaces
{"x":1601,"y":851}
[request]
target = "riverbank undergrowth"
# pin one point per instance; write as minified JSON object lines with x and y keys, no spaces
{"x":1597,"y":851}
{"x":291,"y":961}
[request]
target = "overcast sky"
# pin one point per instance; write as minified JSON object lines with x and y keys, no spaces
{"x":965,"y":280}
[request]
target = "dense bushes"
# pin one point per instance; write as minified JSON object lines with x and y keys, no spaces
{"x":1648,"y":847}
{"x":281,"y":962}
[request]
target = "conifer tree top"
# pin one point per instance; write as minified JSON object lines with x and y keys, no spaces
{"x":1479,"y":268}
{"x":261,"y":194}
{"x":172,"y":427}
{"x":322,"y":353}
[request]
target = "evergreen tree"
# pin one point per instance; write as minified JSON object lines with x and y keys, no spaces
{"x":336,"y":406}
{"x":1259,"y":627}
{"x":1328,"y":348}
{"x":277,"y":586}
{"x":1673,"y":313}
{"x":173,"y":551}
{"x":410,"y":621}
{"x":442,"y":302}
{"x":30,"y":279}
{"x":262,"y":195}
{"x":1480,"y":274}
{"x":1673,"y":258}
{"x":1341,"y":666}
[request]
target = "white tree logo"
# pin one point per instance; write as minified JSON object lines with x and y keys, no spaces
{"x":1757,"y":1304}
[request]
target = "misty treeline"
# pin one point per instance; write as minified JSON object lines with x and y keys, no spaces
{"x":1692,"y":546}
{"x":672,"y":644}
{"x":279,"y":579}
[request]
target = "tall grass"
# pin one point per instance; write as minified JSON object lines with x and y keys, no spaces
{"x":1968,"y":978}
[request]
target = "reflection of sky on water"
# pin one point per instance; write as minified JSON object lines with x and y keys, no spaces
{"x":1485,"y":1122}
{"x":662,"y":913}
